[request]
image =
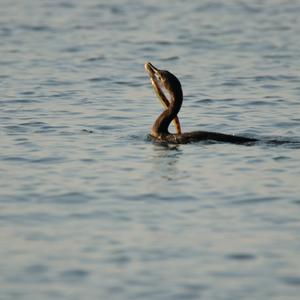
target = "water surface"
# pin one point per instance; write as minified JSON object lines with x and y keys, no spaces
{"x":90,"y":209}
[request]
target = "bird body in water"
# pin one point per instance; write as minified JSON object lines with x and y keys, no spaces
{"x":160,"y":130}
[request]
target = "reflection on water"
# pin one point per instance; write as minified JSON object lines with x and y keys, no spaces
{"x":165,"y":158}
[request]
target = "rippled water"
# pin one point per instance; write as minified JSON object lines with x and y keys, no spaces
{"x":89,"y":209}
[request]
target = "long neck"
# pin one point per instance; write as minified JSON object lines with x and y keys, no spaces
{"x":162,"y":123}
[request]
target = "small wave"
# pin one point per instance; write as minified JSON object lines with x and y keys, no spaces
{"x":39,"y":127}
{"x":20,"y":101}
{"x":270,"y":86}
{"x":163,"y":43}
{"x":138,"y":137}
{"x":291,"y":280}
{"x":105,"y":127}
{"x":210,"y":7}
{"x":130,"y":83}
{"x":75,"y":274}
{"x":297,"y":202}
{"x":15,"y":159}
{"x":33,"y":124}
{"x":27,"y":93}
{"x":205,"y":101}
{"x":37,"y":28}
{"x":265,"y":77}
{"x":87,"y":131}
{"x":37,"y":269}
{"x":66,"y":4}
{"x":279,"y":56}
{"x":232,"y":83}
{"x":171,"y":58}
{"x":15,"y":129}
{"x":55,"y":82}
{"x":73,"y":49}
{"x":256,"y":200}
{"x":5,"y":31}
{"x":48,"y":160}
{"x":284,"y":142}
{"x":159,"y":197}
{"x":99,"y":79}
{"x":241,"y":256}
{"x":281,"y":157}
{"x":70,"y":198}
{"x":96,"y":58}
{"x":290,"y":124}
{"x":259,"y":103}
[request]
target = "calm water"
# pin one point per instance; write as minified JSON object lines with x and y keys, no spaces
{"x":89,"y":209}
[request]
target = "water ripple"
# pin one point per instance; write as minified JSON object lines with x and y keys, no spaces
{"x":241,"y":256}
{"x":258,"y":200}
{"x":99,"y":79}
{"x":90,"y":208}
{"x":291,"y":280}
{"x":74,"y":274}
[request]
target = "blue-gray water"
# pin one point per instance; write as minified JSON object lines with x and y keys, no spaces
{"x":89,"y":209}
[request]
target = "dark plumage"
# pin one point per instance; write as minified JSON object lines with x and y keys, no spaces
{"x":160,"y":130}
